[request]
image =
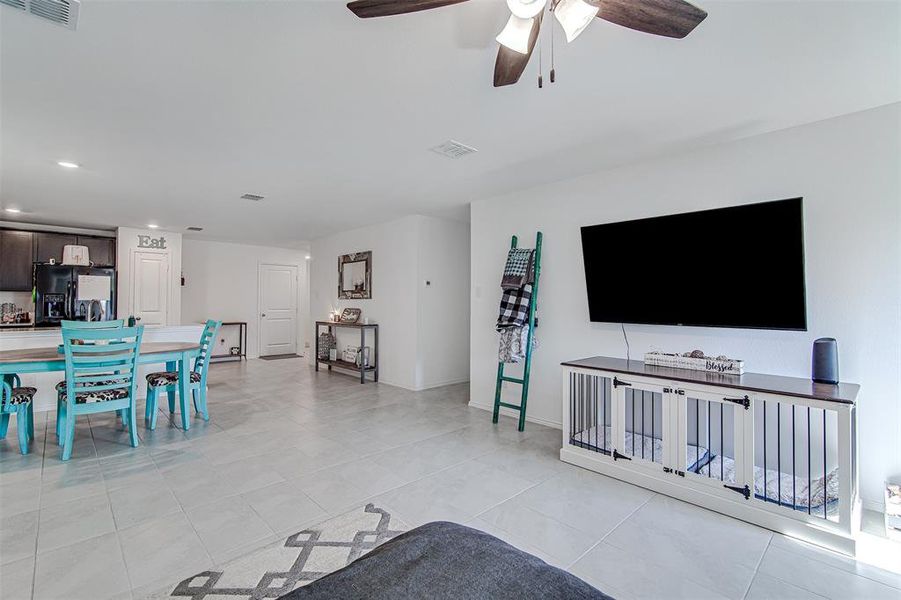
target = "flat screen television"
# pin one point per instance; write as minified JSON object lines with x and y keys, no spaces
{"x":741,"y":266}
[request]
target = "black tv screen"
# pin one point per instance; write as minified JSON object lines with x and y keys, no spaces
{"x":741,"y":266}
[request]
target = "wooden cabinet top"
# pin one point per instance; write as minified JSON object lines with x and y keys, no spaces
{"x":340,"y":324}
{"x":844,"y":393}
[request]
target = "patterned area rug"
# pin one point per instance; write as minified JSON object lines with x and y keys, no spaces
{"x":301,"y":558}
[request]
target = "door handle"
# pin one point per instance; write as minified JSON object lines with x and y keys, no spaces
{"x":263,"y":315}
{"x":69,"y":308}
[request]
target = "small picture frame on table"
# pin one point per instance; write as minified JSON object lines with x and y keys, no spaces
{"x":350,"y":316}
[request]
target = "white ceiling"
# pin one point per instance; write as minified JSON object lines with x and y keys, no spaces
{"x":176,"y":108}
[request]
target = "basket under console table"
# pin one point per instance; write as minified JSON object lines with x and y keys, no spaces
{"x":362,"y":368}
{"x":779,"y":452}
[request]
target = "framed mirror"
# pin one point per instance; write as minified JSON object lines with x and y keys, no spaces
{"x":355,"y":275}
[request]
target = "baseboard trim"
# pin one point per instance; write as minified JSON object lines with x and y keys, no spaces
{"x":515,"y":414}
{"x":430,"y":386}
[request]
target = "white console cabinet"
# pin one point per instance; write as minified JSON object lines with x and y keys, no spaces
{"x":779,"y":452}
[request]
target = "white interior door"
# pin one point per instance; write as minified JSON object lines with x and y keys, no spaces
{"x":278,"y":309}
{"x":150,"y":287}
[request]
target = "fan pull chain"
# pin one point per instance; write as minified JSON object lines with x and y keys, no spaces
{"x":553,"y":71}
{"x":540,"y":65}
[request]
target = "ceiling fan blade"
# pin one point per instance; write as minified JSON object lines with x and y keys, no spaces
{"x":384,"y":8}
{"x":670,"y":18}
{"x":510,"y":64}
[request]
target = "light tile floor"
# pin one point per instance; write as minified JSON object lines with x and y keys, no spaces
{"x":287,"y":447}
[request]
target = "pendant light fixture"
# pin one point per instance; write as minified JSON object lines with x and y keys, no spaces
{"x":526,"y":9}
{"x":574,"y":16}
{"x":515,"y":35}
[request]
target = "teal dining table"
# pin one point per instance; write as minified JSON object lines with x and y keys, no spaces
{"x":176,"y":356}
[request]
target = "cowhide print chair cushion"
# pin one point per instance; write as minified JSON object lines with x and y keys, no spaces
{"x":23,"y":395}
{"x":164,"y":378}
{"x":94,"y":395}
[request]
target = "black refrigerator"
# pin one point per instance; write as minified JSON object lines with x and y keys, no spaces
{"x":73,"y":294}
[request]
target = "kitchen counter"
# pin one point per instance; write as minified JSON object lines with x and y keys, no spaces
{"x":25,"y":328}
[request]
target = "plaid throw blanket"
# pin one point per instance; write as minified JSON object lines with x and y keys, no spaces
{"x":520,"y":268}
{"x":514,"y":309}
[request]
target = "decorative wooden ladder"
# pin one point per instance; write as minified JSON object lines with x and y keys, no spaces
{"x":527,"y":367}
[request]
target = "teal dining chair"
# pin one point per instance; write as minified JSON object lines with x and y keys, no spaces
{"x":167,"y":381}
{"x":101,"y":362}
{"x":61,"y":386}
{"x":17,"y":400}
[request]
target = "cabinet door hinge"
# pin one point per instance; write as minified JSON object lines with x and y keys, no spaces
{"x":744,"y":491}
{"x":674,"y":471}
{"x":676,"y":391}
{"x":617,"y":455}
{"x":618,"y":382}
{"x":746,"y":401}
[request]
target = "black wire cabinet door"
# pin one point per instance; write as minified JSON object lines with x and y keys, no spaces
{"x":642,"y":430}
{"x":712,"y":448}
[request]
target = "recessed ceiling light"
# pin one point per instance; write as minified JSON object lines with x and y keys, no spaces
{"x":152,"y":226}
{"x":307,"y":257}
{"x":13,"y":210}
{"x":68,"y":164}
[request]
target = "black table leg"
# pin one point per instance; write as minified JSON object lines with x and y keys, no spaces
{"x":362,"y":355}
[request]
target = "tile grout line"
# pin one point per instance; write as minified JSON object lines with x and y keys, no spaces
{"x":37,"y":533}
{"x":183,"y":511}
{"x":832,"y":566}
{"x":109,"y":502}
{"x":614,"y":528}
{"x":757,"y":566}
{"x":115,"y":521}
{"x":461,"y":426}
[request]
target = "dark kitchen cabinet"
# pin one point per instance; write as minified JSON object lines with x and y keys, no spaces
{"x":102,"y":250}
{"x":50,"y":245}
{"x":15,"y":260}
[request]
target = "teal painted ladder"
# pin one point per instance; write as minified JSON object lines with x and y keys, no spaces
{"x":527,"y":367}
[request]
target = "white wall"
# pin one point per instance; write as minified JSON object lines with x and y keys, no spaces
{"x":393,"y":302}
{"x":443,"y":337}
{"x":847,"y":170}
{"x":126,"y":244}
{"x":221,"y":282}
{"x":417,"y":350}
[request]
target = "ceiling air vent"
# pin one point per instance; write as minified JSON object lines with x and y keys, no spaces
{"x":452,"y":149}
{"x":61,"y":12}
{"x":252,"y":197}
{"x":192,"y":228}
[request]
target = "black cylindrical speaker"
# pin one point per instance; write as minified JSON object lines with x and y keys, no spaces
{"x":824,"y":366}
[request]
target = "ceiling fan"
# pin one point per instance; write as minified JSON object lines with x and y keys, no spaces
{"x":669,"y":18}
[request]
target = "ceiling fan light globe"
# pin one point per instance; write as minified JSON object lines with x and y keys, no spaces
{"x":526,"y":9}
{"x":515,"y":34}
{"x":574,"y":16}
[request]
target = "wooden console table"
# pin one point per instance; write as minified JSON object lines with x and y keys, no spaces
{"x":242,"y":343}
{"x":344,"y":364}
